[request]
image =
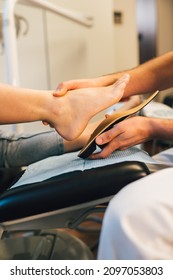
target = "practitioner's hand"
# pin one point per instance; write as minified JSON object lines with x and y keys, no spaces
{"x":66,"y":86}
{"x":63,"y":87}
{"x":123,"y":135}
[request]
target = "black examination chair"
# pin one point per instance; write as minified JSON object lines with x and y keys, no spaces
{"x":62,"y":201}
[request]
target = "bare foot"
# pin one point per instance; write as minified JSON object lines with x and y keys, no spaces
{"x":77,"y":107}
{"x":79,"y":143}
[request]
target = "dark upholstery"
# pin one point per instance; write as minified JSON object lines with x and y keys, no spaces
{"x":68,"y":189}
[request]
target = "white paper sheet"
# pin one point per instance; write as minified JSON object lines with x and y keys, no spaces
{"x":57,"y":165}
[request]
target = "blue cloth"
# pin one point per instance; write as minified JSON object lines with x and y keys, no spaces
{"x":57,"y":165}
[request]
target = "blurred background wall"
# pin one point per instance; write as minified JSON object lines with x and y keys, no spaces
{"x":56,"y":49}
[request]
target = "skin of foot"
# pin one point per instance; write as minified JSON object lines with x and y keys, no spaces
{"x":77,"y":107}
{"x":78,"y":143}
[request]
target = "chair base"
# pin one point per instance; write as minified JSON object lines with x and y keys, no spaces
{"x":44,"y":245}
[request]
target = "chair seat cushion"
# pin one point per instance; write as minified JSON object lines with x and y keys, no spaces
{"x":68,"y":189}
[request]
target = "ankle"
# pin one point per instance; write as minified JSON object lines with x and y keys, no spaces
{"x":48,"y":107}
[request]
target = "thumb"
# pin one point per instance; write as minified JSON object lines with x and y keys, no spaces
{"x":60,"y":90}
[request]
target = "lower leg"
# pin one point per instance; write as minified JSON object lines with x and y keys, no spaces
{"x":24,"y":149}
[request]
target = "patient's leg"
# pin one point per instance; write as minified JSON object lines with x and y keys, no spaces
{"x":77,"y":107}
{"x":26,"y":148}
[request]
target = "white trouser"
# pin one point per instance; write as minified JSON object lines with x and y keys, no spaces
{"x":138,"y":223}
